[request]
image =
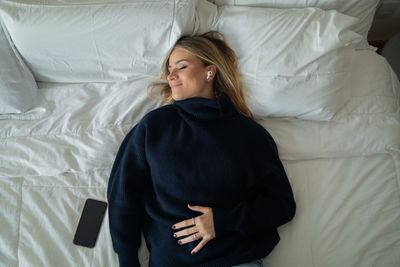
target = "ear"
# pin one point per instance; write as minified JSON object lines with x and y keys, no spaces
{"x":213,"y":69}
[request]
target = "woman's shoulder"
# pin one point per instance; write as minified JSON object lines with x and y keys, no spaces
{"x":158,"y":115}
{"x":253,"y":124}
{"x":152,"y":120}
{"x":258,"y":132}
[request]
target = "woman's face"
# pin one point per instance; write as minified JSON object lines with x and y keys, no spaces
{"x":187,"y":76}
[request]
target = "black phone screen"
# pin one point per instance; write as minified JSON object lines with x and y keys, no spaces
{"x":90,"y":223}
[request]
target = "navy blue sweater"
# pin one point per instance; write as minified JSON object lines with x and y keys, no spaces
{"x":203,"y":152}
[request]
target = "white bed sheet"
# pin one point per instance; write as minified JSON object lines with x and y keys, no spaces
{"x":345,"y":174}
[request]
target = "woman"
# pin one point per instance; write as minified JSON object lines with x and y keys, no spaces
{"x":199,"y":177}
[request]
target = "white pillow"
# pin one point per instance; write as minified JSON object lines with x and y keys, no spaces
{"x":364,"y":10}
{"x":72,"y":42}
{"x":294,"y":61}
{"x":18,"y":89}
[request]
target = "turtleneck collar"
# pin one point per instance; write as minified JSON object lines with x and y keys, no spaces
{"x":205,"y":108}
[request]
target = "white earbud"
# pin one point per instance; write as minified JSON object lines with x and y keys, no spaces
{"x":209,"y":73}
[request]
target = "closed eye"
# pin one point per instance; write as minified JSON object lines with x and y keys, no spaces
{"x":180,"y":68}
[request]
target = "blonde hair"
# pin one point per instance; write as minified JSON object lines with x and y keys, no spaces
{"x":211,"y":49}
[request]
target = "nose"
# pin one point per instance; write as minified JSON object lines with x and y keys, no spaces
{"x":171,"y":75}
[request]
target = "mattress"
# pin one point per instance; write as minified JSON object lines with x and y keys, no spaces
{"x":345,"y":173}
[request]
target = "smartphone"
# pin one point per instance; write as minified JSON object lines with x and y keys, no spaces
{"x":90,"y":223}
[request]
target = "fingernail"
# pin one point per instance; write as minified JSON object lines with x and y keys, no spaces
{"x":174,"y":235}
{"x":180,"y":242}
{"x":193,"y":252}
{"x":173,"y":226}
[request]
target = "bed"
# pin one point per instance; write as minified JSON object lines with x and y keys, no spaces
{"x":73,"y":78}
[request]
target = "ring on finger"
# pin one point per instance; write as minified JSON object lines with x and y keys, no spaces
{"x":195,"y":237}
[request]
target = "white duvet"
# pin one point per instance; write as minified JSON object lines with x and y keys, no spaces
{"x":345,"y":173}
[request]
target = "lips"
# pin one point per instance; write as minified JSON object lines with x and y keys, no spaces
{"x":176,"y":85}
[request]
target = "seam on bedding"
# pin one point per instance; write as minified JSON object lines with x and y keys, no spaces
{"x":39,"y":111}
{"x":297,"y":157}
{"x":66,"y":172}
{"x":63,"y":172}
{"x":310,"y":231}
{"x":319,"y":136}
{"x":49,"y":4}
{"x":77,"y":132}
{"x":396,"y":164}
{"x":59,"y":186}
{"x":19,"y":220}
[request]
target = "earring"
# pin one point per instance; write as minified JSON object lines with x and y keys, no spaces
{"x":209,"y":73}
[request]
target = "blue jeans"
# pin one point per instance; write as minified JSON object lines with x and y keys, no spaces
{"x":256,"y":263}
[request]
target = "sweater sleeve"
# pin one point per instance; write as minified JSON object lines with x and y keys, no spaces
{"x":269,"y":205}
{"x":129,"y":175}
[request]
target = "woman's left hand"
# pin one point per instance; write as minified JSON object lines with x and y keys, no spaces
{"x":203,"y":227}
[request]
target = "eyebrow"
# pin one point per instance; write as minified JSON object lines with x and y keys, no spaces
{"x":169,"y":66}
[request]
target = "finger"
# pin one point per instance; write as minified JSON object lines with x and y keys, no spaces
{"x":197,"y":208}
{"x":188,"y":239}
{"x":182,"y":224}
{"x":199,"y":246}
{"x":187,"y":231}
